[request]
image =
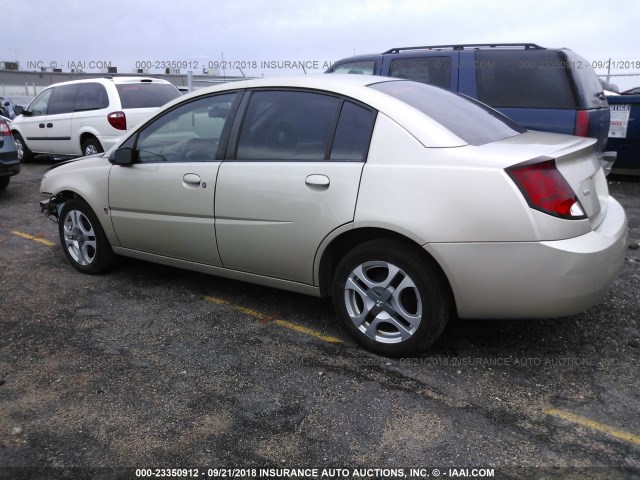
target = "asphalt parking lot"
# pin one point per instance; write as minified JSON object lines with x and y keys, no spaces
{"x":153,"y":367}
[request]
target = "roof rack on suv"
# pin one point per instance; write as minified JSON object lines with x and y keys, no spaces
{"x":469,"y":45}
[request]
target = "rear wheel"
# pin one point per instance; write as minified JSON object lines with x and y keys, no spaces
{"x":91,"y":146}
{"x":83,"y":240}
{"x":391,"y":297}
{"x":24,"y":154}
{"x":4,"y":182}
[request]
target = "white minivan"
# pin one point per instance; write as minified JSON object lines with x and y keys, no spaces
{"x":85,"y":117}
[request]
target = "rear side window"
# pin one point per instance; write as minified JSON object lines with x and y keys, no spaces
{"x":146,"y":94}
{"x":432,"y":70}
{"x":511,"y":79}
{"x":287,"y":125}
{"x":63,"y":99}
{"x":359,"y":68}
{"x":353,"y":134}
{"x":91,"y":96}
{"x":473,"y":122}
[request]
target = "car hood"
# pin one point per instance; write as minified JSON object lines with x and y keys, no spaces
{"x":73,"y":160}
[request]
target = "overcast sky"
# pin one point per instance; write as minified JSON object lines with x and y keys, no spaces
{"x":124,"y":33}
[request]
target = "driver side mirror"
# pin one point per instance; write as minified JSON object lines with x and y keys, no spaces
{"x":122,"y":156}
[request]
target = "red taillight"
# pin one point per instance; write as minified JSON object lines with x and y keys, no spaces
{"x":545,"y":189}
{"x":5,"y":131}
{"x":582,"y":123}
{"x":118,"y":120}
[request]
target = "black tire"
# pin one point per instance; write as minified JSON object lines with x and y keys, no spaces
{"x":91,"y":146}
{"x":24,"y":154}
{"x":4,"y":182}
{"x":406,"y":310}
{"x":82,"y":238}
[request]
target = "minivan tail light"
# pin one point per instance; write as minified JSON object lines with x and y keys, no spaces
{"x":5,"y":131}
{"x":118,"y":120}
{"x":582,"y":123}
{"x":545,"y":189}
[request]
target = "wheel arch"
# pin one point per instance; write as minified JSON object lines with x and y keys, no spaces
{"x":104,"y":219}
{"x":344,"y":242}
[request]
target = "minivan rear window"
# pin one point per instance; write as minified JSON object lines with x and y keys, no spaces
{"x":146,"y":94}
{"x":473,"y":122}
{"x":509,"y":79}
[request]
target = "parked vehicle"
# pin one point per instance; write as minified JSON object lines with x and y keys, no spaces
{"x":9,"y":163}
{"x":624,"y":133}
{"x":545,"y":89}
{"x":85,"y":117}
{"x":368,"y":189}
{"x":13,"y":101}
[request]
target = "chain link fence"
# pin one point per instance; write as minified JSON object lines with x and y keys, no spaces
{"x":621,"y":82}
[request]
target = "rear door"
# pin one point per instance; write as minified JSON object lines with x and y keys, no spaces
{"x":290,"y":182}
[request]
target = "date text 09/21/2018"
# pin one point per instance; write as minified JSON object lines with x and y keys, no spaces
{"x":235,"y":64}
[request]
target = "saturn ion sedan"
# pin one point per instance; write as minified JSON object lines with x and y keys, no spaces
{"x":405,"y":203}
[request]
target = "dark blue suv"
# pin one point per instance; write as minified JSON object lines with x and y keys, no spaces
{"x":553,"y":90}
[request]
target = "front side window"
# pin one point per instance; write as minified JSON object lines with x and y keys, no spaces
{"x":63,"y":99}
{"x":432,"y":70}
{"x":189,"y":133}
{"x":91,"y":96}
{"x":353,"y":133}
{"x":40,"y":103}
{"x":287,"y":125}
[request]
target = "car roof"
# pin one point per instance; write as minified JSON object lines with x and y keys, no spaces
{"x":115,"y":80}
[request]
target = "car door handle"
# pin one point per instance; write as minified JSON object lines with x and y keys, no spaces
{"x":191,"y":179}
{"x":317,"y":181}
{"x":49,"y":125}
{"x":41,"y":125}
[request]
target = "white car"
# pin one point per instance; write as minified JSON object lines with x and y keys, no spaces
{"x":85,"y":117}
{"x":404,"y":202}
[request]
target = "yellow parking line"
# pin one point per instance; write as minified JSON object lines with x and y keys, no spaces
{"x":600,"y":427}
{"x":43,"y":241}
{"x":277,"y":321}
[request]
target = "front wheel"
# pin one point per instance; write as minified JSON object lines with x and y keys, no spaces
{"x":391,"y":297}
{"x":4,"y":182}
{"x":83,"y":240}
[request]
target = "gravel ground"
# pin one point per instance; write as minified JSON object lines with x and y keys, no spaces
{"x":153,"y":367}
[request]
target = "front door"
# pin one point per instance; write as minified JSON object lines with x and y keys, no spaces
{"x":164,"y":203}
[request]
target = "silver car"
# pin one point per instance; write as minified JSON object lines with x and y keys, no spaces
{"x":404,"y":202}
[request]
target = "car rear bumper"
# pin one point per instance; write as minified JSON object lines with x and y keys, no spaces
{"x":9,"y":165}
{"x":535,"y":279}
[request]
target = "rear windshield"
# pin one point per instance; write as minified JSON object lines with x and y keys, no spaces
{"x":509,"y":79}
{"x":473,"y":122}
{"x":146,"y":94}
